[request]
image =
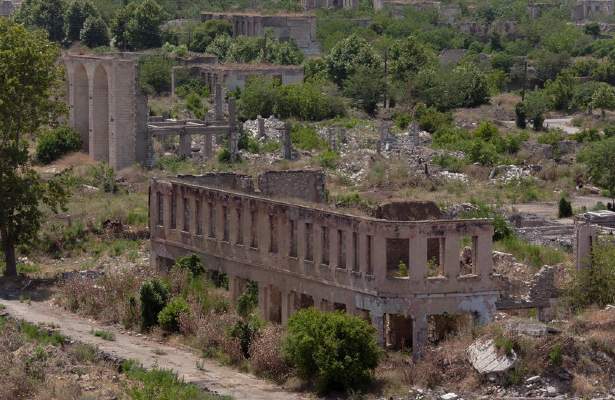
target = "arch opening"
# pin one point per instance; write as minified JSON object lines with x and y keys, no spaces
{"x":80,"y":103}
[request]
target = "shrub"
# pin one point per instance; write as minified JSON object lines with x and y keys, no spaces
{"x":564,"y":208}
{"x":95,"y":32}
{"x":245,"y":331}
{"x":305,"y":138}
{"x":265,"y":353}
{"x":54,"y":143}
{"x":339,"y":351}
{"x":103,"y":177}
{"x":328,"y":159}
{"x":248,"y":301}
{"x":155,"y":73}
{"x":192,"y":263}
{"x":168,"y":318}
{"x":501,"y":227}
{"x":555,"y":355}
{"x":154,"y":296}
{"x":595,"y":285}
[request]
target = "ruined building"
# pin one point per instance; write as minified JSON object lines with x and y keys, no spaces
{"x":233,"y":76}
{"x":107,"y":107}
{"x":589,"y":228}
{"x":299,"y":27}
{"x":336,"y":4}
{"x":592,"y":9}
{"x":405,"y":276}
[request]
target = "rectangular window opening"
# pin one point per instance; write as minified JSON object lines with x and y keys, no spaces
{"x":309,"y":248}
{"x":212,"y":220}
{"x":160,"y":201}
{"x":341,"y":249}
{"x":355,"y":252}
{"x":467,"y":255}
{"x":435,"y":257}
{"x":239,"y":227}
{"x":173,"y":210}
{"x":225,"y":230}
{"x":324,"y":245}
{"x":398,"y":258}
{"x":273,"y":235}
{"x":293,"y":238}
{"x":369,"y":255}
{"x":186,"y":204}
{"x":199,"y":217}
{"x":253,"y":237}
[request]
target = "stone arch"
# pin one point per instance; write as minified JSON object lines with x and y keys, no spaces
{"x":99,"y":134}
{"x":80,"y":103}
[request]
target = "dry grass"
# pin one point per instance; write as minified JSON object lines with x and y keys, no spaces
{"x":265,"y":354}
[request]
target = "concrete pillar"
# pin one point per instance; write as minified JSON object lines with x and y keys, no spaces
{"x":233,"y":286}
{"x":378,"y":323}
{"x":218,"y":102}
{"x":185,"y":145}
{"x":263,"y":300}
{"x":419,"y":334}
{"x":207,"y":149}
{"x":451,"y":256}
{"x":287,"y":146}
{"x":261,"y":126}
{"x":233,"y":133}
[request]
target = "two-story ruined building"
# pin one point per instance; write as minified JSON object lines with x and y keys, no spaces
{"x":303,"y":254}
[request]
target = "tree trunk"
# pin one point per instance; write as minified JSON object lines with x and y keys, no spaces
{"x":9,"y":257}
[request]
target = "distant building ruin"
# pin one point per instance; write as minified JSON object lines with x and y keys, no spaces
{"x":8,"y":7}
{"x":334,"y":4}
{"x":298,"y":27}
{"x":589,"y":227}
{"x":233,"y":76}
{"x":302,"y":254}
{"x":592,"y":9}
{"x":107,"y":108}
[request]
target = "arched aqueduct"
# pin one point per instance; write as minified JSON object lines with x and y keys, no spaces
{"x":107,"y":108}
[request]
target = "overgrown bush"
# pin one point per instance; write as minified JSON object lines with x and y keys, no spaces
{"x":155,"y":74}
{"x":103,"y":177}
{"x":336,"y":350}
{"x":595,"y":285}
{"x":154,"y":296}
{"x":168,"y":318}
{"x":305,"y":137}
{"x":266,"y":356}
{"x":192,"y":263}
{"x":54,"y":143}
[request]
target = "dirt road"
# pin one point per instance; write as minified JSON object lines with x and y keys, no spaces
{"x":210,"y":375}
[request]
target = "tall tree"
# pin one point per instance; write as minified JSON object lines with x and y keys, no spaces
{"x":44,"y":14}
{"x":604,"y":99}
{"x":348,"y":55}
{"x":29,"y":84}
{"x":600,"y":160}
{"x":77,"y":13}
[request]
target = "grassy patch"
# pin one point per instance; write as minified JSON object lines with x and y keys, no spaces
{"x":105,"y":335}
{"x":531,"y":254}
{"x":36,"y":334}
{"x":161,"y":384}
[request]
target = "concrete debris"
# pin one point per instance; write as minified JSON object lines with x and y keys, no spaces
{"x":273,"y":128}
{"x":89,"y":189}
{"x":485,"y":358}
{"x":526,"y":327}
{"x":453,"y":176}
{"x":457,"y":210}
{"x":509,"y":173}
{"x":533,"y":379}
{"x":449,"y":396}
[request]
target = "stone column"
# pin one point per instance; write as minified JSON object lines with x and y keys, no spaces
{"x":185,"y":144}
{"x":419,"y":334}
{"x":261,"y":126}
{"x":263,"y":300}
{"x":378,"y":323}
{"x":218,"y":102}
{"x":233,"y":133}
{"x":287,"y":146}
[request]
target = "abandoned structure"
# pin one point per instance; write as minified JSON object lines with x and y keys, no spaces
{"x":589,"y":228}
{"x":535,"y":9}
{"x":7,"y":7}
{"x":406,"y":277}
{"x":314,"y":4}
{"x":233,"y":76}
{"x":107,"y":108}
{"x":592,"y":9}
{"x":298,"y":27}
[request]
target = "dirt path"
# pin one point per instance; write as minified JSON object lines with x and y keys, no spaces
{"x":212,"y":376}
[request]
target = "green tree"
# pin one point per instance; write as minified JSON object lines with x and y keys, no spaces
{"x":206,"y":32}
{"x":29,"y":92}
{"x":258,"y":98}
{"x":599,"y":157}
{"x":44,"y":14}
{"x":365,"y":87}
{"x":95,"y":32}
{"x":604,"y":99}
{"x":77,"y":13}
{"x":137,"y":25}
{"x":536,"y":104}
{"x":408,"y":56}
{"x":561,"y":91}
{"x":338,"y":351}
{"x":348,"y":55}
{"x":220,"y":46}
{"x":592,"y":29}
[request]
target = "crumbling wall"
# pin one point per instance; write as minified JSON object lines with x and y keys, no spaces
{"x":304,"y":185}
{"x":222,"y":180}
{"x":408,"y":211}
